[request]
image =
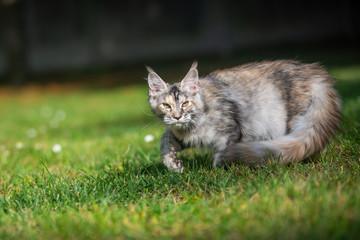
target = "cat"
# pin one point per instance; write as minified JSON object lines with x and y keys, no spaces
{"x":255,"y":113}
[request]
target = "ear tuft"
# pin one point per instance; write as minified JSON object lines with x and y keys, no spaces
{"x":194,"y":65}
{"x":149,"y":69}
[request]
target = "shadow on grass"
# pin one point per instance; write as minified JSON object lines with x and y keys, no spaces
{"x":193,"y":162}
{"x":201,"y":161}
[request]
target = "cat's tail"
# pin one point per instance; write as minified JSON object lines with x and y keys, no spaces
{"x":308,"y":136}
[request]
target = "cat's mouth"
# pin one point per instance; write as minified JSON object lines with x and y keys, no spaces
{"x":177,"y":124}
{"x":182,"y":122}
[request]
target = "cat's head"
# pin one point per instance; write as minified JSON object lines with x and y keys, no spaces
{"x":175,"y":104}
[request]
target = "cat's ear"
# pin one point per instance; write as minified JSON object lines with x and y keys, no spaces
{"x":191,"y":80}
{"x":156,"y":84}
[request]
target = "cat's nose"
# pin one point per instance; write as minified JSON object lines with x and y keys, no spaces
{"x":177,"y":117}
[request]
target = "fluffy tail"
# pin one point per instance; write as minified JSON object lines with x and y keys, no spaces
{"x":309,"y":135}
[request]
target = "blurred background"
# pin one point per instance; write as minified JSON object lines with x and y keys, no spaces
{"x":85,"y":40}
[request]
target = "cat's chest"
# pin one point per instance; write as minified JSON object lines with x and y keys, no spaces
{"x":204,"y":137}
{"x":199,"y":138}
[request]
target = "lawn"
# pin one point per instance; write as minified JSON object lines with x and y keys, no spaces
{"x":74,"y":165}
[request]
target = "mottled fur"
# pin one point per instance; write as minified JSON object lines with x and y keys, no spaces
{"x":282,"y":110}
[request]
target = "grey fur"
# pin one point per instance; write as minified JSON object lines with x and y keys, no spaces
{"x":250,"y":114}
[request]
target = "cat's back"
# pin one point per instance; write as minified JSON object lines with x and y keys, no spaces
{"x":289,"y":80}
{"x":270,"y":93}
{"x":251,"y":79}
{"x":267,"y":71}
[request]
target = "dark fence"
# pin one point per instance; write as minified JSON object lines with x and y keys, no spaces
{"x":47,"y":35}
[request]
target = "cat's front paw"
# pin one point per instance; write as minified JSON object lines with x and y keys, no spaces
{"x":178,"y":169}
{"x":174,"y":164}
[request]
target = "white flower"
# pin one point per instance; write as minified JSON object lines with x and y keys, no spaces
{"x":56,"y":148}
{"x":6,"y":153}
{"x":38,"y":146}
{"x":19,"y":145}
{"x":31,"y":133}
{"x":60,"y":115}
{"x":149,"y":138}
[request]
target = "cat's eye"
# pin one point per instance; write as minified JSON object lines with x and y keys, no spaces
{"x":185,"y":104}
{"x":167,"y":106}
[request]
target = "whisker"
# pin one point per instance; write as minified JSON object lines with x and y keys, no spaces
{"x":147,"y":125}
{"x":147,"y":114}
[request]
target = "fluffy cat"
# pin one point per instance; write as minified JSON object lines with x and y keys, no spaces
{"x":281,"y":110}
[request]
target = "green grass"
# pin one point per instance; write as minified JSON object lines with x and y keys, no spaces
{"x":107,"y":182}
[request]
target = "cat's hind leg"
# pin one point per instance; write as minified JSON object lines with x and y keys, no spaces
{"x":217,"y":163}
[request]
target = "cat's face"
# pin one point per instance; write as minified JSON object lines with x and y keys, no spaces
{"x":176,"y":105}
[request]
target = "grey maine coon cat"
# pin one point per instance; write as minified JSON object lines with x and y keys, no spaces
{"x":281,"y":110}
